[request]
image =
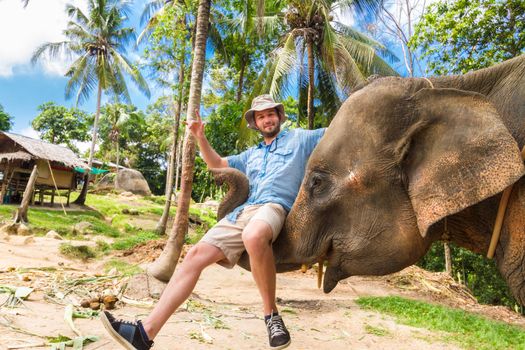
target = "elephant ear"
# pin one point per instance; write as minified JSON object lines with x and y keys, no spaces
{"x":457,"y":153}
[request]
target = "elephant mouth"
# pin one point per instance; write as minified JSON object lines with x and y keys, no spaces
{"x":334,"y":274}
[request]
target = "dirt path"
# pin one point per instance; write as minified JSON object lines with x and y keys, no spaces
{"x":223,"y":313}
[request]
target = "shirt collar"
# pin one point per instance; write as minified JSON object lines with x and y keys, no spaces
{"x":281,"y":134}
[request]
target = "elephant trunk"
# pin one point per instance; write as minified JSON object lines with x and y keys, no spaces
{"x":510,"y":255}
{"x":238,"y":189}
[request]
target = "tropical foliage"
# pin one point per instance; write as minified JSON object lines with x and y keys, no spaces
{"x":5,"y":120}
{"x":61,"y":125}
{"x":98,"y":40}
{"x":458,"y":36}
{"x":317,"y":52}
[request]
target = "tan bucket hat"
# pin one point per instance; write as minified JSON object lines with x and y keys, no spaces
{"x":260,"y":103}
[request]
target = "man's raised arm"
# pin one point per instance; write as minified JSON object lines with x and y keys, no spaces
{"x":210,"y":156}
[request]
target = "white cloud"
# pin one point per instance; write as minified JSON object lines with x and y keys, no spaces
{"x":83,"y":147}
{"x":23,"y":30}
{"x":30,"y":132}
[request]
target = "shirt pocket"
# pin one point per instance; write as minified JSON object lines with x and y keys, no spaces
{"x":282,"y":155}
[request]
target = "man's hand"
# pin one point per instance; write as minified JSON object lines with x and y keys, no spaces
{"x":196,"y":126}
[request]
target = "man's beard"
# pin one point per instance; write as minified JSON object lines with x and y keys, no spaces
{"x":272,"y":133}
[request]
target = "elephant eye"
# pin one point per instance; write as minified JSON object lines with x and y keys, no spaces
{"x":316,"y":183}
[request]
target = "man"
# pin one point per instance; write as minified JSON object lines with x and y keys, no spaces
{"x":275,"y":168}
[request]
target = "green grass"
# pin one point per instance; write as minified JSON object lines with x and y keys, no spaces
{"x":122,"y":267}
{"x":107,"y":220}
{"x":42,"y":220}
{"x":379,"y":331}
{"x":131,"y":241}
{"x":82,"y":252}
{"x":468,"y":330}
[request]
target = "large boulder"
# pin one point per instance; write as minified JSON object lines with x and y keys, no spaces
{"x":129,"y":180}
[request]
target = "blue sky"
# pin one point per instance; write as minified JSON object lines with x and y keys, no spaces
{"x":24,"y":87}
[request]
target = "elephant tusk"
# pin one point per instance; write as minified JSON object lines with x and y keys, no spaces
{"x":304,"y":268}
{"x":320,"y":273}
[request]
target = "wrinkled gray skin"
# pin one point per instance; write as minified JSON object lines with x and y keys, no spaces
{"x":402,"y":159}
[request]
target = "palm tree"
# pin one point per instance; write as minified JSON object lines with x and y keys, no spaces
{"x":116,"y":116}
{"x":164,"y":266}
{"x":98,"y":39}
{"x":337,"y":56}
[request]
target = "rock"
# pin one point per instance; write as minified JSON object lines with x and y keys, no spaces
{"x":83,"y":228}
{"x":113,"y":272}
{"x":133,"y":212}
{"x":110,"y":219}
{"x":16,"y":229}
{"x":94,"y":305}
{"x":126,"y":194}
{"x":53,"y":234}
{"x":125,"y":211}
{"x":29,"y":240}
{"x":109,"y":302}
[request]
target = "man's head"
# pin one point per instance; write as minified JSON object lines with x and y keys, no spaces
{"x":265,"y":115}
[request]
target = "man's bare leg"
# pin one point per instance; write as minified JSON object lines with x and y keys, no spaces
{"x":257,"y":237}
{"x":181,"y":285}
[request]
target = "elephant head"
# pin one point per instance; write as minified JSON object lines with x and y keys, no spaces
{"x":398,"y":158}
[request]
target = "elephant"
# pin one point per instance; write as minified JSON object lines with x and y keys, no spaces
{"x":409,"y":161}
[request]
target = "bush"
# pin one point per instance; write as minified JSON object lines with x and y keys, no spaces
{"x":479,"y":274}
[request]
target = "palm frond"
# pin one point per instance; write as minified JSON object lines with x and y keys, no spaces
{"x":348,"y":31}
{"x":133,"y":72}
{"x":327,"y":91}
{"x":76,"y":14}
{"x":364,"y":55}
{"x":151,"y":9}
{"x":53,"y":50}
{"x":347,"y":72}
{"x":285,"y":63}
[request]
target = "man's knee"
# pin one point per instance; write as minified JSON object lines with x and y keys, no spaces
{"x":202,"y":255}
{"x":257,"y":235}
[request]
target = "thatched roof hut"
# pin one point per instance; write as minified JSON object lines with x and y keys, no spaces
{"x":18,"y":154}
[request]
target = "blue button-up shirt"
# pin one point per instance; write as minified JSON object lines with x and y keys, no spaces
{"x":275,"y":171}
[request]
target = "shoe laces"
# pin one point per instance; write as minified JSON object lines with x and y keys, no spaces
{"x":276,"y":326}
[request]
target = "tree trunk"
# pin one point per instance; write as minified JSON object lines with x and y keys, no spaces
{"x":241,"y":79}
{"x":178,"y":166}
{"x":311,"y":67}
{"x":163,"y":222}
{"x":82,"y":197}
{"x":116,"y":177}
{"x":164,"y":266}
{"x":448,"y":259}
{"x":21,"y":214}
{"x":169,"y":171}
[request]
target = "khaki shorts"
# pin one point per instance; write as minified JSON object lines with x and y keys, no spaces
{"x":227,"y":236}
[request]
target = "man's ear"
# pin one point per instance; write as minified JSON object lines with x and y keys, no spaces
{"x":457,"y":154}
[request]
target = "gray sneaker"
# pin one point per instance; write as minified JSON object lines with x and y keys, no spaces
{"x":278,"y":335}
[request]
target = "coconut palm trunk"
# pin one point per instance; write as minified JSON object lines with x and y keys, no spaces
{"x":82,"y":197}
{"x":163,"y":222}
{"x":164,"y":266}
{"x":311,"y":67}
{"x":241,"y":78}
{"x":118,"y":159}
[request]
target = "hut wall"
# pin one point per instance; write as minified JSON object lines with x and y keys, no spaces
{"x":63,"y":178}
